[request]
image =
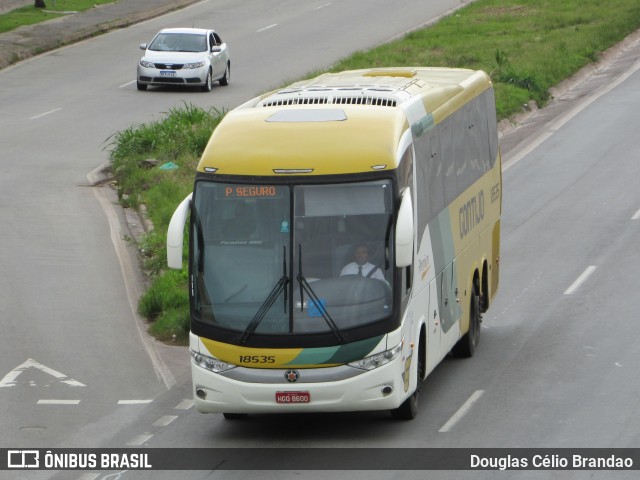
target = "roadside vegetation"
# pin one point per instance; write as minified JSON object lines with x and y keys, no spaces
{"x":31,"y":14}
{"x":527,"y":47}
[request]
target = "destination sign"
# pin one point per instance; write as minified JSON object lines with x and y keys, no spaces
{"x":250,"y":191}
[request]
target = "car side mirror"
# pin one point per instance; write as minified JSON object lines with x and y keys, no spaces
{"x":216,"y":49}
{"x":143,"y":46}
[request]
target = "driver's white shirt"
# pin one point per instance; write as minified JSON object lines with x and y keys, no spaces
{"x":352,"y":269}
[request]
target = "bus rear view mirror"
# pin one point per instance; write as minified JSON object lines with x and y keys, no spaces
{"x":175,"y":234}
{"x":404,"y":231}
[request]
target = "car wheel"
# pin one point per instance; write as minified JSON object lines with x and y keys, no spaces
{"x":226,"y":78}
{"x":207,"y":84}
{"x":141,"y":86}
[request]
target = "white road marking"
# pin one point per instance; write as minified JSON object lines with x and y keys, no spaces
{"x":636,"y":215}
{"x":139,"y":439}
{"x":9,"y":379}
{"x":267,"y":28}
{"x":321,"y":6}
{"x":580,"y":280}
{"x":185,"y":404}
{"x":462,"y":411}
{"x":134,"y":402}
{"x":164,"y":420}
{"x":127,"y":84}
{"x":35,"y":117}
{"x":58,"y":402}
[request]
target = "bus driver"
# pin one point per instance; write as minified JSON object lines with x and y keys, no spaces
{"x":361,"y":265}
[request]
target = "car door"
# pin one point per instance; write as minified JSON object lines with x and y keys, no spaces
{"x":219,"y":55}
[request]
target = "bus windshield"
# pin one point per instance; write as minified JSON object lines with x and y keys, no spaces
{"x":292,"y":259}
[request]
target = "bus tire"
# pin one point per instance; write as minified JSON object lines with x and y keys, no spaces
{"x":409,"y":408}
{"x":467,"y":345}
{"x":234,"y":416}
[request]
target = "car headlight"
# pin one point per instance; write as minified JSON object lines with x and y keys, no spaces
{"x":378,"y":360}
{"x":193,"y":65}
{"x":144,"y":63}
{"x":210,"y":363}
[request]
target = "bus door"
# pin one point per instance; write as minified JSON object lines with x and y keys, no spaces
{"x":449,"y":306}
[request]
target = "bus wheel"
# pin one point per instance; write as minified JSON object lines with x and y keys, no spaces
{"x":466,"y":346}
{"x":409,"y":408}
{"x":235,"y":416}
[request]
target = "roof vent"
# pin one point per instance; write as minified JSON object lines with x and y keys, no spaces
{"x":286,"y":100}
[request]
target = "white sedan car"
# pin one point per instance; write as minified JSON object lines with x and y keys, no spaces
{"x":186,"y":57}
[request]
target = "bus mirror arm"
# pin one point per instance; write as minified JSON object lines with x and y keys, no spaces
{"x":404,"y":231}
{"x":175,"y":234}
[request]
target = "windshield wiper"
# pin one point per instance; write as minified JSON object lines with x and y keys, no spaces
{"x":266,"y":305}
{"x":304,"y":286}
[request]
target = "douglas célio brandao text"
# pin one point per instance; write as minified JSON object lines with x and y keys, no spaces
{"x":550,"y":462}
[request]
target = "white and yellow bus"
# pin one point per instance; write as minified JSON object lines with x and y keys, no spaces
{"x":403,"y":162}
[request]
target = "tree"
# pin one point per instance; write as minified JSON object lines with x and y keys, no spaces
{"x":40,"y":4}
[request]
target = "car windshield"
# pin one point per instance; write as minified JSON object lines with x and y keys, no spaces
{"x":179,"y":42}
{"x":272,"y":259}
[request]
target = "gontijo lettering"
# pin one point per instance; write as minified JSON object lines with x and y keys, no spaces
{"x":471,"y":214}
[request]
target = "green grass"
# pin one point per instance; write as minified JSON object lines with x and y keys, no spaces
{"x":30,"y":15}
{"x":527,"y":47}
{"x":138,"y":155}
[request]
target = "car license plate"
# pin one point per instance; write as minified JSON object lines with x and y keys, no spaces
{"x":168,"y":73}
{"x":293,"y":397}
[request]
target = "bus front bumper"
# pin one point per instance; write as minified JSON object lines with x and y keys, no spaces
{"x":380,"y":389}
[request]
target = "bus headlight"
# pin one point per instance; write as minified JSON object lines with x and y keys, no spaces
{"x":210,"y":363}
{"x":377,"y":360}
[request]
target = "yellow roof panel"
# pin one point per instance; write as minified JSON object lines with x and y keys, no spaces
{"x":337,"y":123}
{"x":251,"y":142}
